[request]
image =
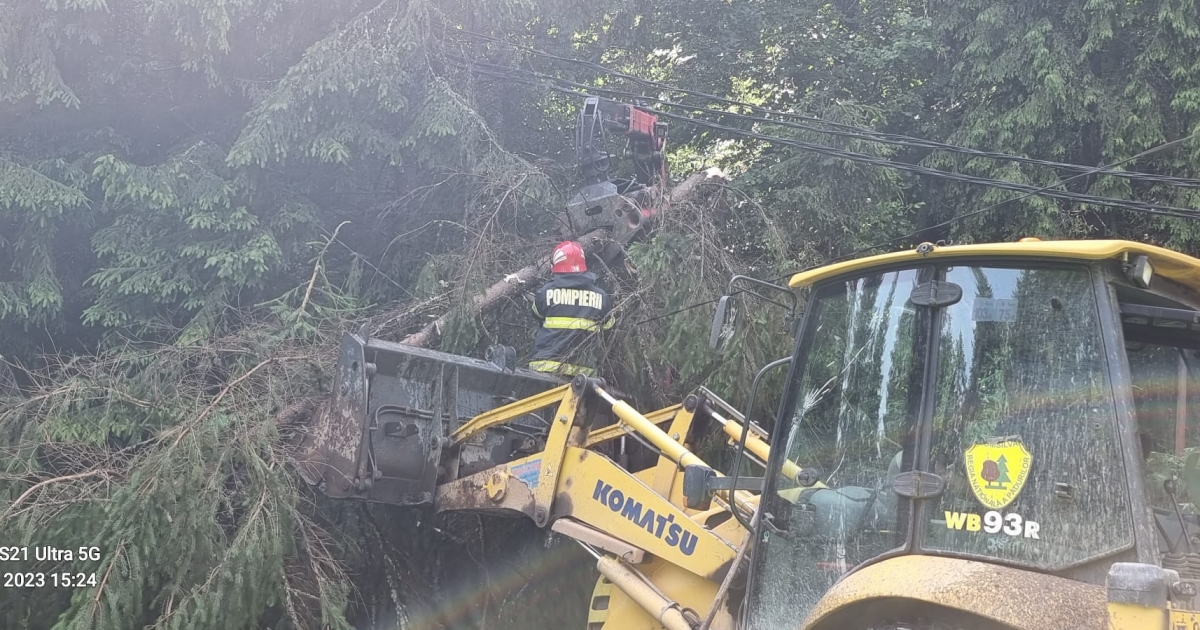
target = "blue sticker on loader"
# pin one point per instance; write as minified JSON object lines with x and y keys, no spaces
{"x":529,"y":472}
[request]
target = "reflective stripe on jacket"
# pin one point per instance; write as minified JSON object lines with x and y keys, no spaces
{"x":558,"y":367}
{"x":571,"y":306}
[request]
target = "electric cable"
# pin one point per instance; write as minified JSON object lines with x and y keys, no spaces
{"x":707,"y":302}
{"x":1046,"y":191}
{"x":839,"y":129}
{"x":680,"y":310}
{"x":538,"y":79}
{"x":966,"y":215}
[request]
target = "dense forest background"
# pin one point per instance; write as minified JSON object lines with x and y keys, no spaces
{"x":198,"y":196}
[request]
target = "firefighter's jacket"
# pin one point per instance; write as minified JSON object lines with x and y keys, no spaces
{"x":571,"y":307}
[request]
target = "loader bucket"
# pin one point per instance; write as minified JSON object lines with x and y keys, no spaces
{"x":382,"y":435}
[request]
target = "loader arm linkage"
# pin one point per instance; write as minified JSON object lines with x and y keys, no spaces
{"x":398,"y":431}
{"x":567,"y":480}
{"x":1091,"y":341}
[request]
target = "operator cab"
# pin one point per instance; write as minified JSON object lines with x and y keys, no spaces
{"x":1162,"y":346}
{"x":1020,"y":404}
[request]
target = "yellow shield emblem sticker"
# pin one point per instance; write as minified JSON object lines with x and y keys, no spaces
{"x":997,"y":472}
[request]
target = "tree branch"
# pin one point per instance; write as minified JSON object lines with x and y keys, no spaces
{"x":41,"y":484}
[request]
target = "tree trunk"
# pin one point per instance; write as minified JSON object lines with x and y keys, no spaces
{"x":509,"y":287}
{"x":691,"y":189}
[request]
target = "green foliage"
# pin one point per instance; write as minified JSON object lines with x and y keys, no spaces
{"x":34,"y":200}
{"x":674,"y":270}
{"x":176,"y":179}
{"x":1086,"y":83}
{"x":183,"y":237}
{"x":353,"y":78}
{"x":198,"y":189}
{"x":197,"y":517}
{"x":461,"y":334}
{"x":301,"y":311}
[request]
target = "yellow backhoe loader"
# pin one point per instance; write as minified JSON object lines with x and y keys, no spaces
{"x":977,"y":437}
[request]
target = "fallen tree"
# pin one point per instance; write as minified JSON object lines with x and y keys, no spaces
{"x":174,"y":459}
{"x":703,"y":187}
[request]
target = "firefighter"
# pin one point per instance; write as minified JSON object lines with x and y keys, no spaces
{"x":571,"y":307}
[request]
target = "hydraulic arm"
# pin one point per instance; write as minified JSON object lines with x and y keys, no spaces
{"x":621,"y":204}
{"x":398,"y":431}
{"x":915,"y":515}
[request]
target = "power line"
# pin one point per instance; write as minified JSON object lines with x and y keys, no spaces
{"x":840,"y":129}
{"x":956,"y":219}
{"x":504,"y":72}
{"x":945,"y":223}
{"x":680,"y":310}
{"x":706,"y":302}
{"x":950,"y":221}
{"x":514,"y":74}
{"x":1045,"y":191}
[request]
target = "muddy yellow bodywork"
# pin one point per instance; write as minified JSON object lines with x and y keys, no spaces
{"x":1175,"y":266}
{"x":1181,"y":619}
{"x":619,"y":612}
{"x":1017,"y":598}
{"x":1130,"y":617}
{"x":648,"y":541}
{"x":595,"y":491}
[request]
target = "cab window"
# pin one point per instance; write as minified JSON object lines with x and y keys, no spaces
{"x":1166,"y":394}
{"x":1024,"y":428}
{"x":1163,"y":352}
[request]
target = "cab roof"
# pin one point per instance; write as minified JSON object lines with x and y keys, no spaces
{"x":1169,"y":264}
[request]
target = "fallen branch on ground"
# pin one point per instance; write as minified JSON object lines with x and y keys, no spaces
{"x":99,"y":472}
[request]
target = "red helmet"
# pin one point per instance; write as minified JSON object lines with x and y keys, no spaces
{"x":568,"y":258}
